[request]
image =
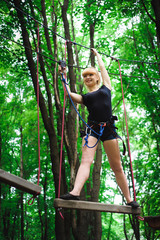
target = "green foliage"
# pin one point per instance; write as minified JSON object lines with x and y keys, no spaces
{"x":123,"y":30}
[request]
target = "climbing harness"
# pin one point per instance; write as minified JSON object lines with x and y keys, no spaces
{"x":88,"y":133}
{"x":111,"y":127}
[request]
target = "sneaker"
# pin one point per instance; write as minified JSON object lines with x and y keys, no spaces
{"x":133,"y":204}
{"x":69,"y":196}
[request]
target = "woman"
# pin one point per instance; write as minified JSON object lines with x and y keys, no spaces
{"x":98,"y":102}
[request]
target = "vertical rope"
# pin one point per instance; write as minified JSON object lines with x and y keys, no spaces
{"x":62,"y":136}
{"x":38,"y":104}
{"x":134,"y":191}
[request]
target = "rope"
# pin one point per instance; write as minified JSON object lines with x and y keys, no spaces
{"x":134,"y":191}
{"x":75,"y":66}
{"x":127,"y":133}
{"x":87,"y":135}
{"x":62,"y":136}
{"x":30,"y":17}
{"x":38,"y":107}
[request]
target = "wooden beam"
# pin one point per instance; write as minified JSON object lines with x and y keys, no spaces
{"x":19,"y":183}
{"x":95,"y":206}
{"x":153,"y":221}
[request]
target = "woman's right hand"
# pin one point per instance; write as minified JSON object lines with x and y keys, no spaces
{"x":61,"y":70}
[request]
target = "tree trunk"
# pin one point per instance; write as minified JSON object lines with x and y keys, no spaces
{"x":135,"y":225}
{"x":92,"y":28}
{"x":95,"y":217}
{"x":156,"y":8}
{"x":71,"y":119}
{"x":109,"y":228}
{"x":45,"y":207}
{"x":96,"y":222}
{"x":91,"y":32}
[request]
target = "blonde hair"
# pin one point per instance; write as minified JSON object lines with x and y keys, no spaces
{"x":92,"y":70}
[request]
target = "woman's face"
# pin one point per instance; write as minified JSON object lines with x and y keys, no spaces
{"x":90,"y":77}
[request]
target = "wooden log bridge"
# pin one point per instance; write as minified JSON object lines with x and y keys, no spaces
{"x":19,"y":183}
{"x":95,"y":206}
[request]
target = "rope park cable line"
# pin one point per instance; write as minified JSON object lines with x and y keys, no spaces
{"x":75,"y":66}
{"x":113,"y":58}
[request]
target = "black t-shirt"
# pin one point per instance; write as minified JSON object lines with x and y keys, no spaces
{"x":98,"y":104}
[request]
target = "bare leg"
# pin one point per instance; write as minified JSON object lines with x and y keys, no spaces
{"x":84,"y":169}
{"x":112,"y":150}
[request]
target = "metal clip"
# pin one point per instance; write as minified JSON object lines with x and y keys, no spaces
{"x":88,"y":132}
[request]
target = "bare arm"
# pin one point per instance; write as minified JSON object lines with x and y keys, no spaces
{"x":104,"y":73}
{"x":75,"y":97}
